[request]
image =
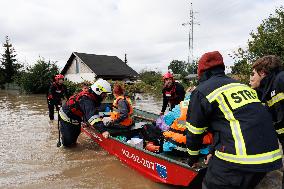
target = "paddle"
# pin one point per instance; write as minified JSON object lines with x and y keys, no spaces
{"x":58,"y":127}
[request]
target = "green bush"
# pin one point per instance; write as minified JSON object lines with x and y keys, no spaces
{"x":37,"y":78}
{"x":151,"y":77}
{"x":72,"y":87}
{"x":152,"y":82}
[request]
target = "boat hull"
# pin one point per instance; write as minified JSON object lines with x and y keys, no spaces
{"x":154,"y":166}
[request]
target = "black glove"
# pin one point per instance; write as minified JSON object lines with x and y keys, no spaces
{"x":192,"y":160}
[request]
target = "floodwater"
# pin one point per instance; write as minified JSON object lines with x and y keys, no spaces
{"x":30,"y":159}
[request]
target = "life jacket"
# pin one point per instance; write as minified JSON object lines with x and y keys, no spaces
{"x":177,"y":132}
{"x":59,"y":88}
{"x":57,"y":94}
{"x":152,"y":147}
{"x":177,"y":129}
{"x":171,"y":94}
{"x":73,"y":102}
{"x":115,"y":114}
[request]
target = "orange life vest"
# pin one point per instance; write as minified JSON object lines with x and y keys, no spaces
{"x":177,"y":129}
{"x":115,"y":114}
{"x":73,"y":102}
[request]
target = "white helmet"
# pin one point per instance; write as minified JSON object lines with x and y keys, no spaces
{"x":101,"y":86}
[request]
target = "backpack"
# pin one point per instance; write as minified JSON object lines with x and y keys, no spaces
{"x":151,"y":133}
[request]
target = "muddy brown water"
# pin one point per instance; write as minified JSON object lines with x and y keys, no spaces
{"x":30,"y":159}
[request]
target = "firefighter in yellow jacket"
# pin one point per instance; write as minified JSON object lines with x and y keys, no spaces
{"x":247,"y":146}
{"x":121,"y":117}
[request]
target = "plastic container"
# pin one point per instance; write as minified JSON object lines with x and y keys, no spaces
{"x":137,"y":142}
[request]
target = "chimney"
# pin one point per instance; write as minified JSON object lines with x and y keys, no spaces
{"x":125,"y":58}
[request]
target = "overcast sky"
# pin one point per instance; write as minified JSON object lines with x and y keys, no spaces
{"x":149,"y":31}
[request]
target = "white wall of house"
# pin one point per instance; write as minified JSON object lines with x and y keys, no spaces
{"x":79,"y":72}
{"x":78,"y":78}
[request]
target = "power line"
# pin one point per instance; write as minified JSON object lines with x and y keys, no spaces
{"x":191,"y":24}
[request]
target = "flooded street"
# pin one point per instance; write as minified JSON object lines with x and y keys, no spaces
{"x":30,"y":159}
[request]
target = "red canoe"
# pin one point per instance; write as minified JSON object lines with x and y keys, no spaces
{"x":157,"y":167}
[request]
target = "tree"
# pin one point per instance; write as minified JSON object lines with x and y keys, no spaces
{"x":242,"y":65}
{"x":151,"y":77}
{"x":2,"y":78}
{"x":37,"y":78}
{"x":267,"y":40}
{"x":9,"y":62}
{"x":178,"y":67}
{"x":192,"y":67}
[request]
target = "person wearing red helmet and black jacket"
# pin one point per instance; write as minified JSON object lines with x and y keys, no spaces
{"x":247,"y":146}
{"x":57,"y":91}
{"x":83,"y":107}
{"x":267,"y":79}
{"x":173,"y":92}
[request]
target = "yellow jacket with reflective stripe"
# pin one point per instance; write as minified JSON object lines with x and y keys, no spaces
{"x":271,"y":92}
{"x":247,"y":138}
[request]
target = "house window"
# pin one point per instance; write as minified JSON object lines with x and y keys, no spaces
{"x":77,"y":66}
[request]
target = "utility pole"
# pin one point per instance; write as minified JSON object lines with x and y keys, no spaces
{"x":190,"y":23}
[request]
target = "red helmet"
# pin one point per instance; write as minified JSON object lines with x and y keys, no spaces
{"x":59,"y":76}
{"x":168,"y":75}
